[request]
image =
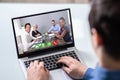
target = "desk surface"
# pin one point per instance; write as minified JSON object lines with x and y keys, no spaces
{"x":9,"y":65}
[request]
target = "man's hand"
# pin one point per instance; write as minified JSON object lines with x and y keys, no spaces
{"x":37,"y":71}
{"x":52,"y":32}
{"x":74,"y":68}
{"x":35,"y":40}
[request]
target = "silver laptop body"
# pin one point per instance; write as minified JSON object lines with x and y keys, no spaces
{"x":38,"y":50}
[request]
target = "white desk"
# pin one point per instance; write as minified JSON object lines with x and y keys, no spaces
{"x":9,"y":66}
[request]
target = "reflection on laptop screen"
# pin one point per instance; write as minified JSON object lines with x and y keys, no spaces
{"x":42,"y":31}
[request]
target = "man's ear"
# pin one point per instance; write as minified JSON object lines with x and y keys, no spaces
{"x":97,"y":39}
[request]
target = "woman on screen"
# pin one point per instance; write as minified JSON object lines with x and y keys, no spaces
{"x":35,"y":32}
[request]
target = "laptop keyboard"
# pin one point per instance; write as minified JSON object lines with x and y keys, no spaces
{"x":50,"y":61}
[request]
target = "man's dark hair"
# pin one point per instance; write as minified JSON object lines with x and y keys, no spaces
{"x":105,"y":18}
{"x":53,"y":21}
{"x":62,"y":18}
{"x":27,"y":24}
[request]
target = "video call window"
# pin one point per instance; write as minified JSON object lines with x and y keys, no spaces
{"x":44,"y":31}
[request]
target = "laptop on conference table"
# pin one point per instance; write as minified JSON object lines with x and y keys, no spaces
{"x":48,"y":47}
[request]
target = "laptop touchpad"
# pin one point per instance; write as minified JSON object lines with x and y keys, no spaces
{"x":59,"y":74}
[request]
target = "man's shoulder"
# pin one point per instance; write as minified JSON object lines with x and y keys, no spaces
{"x":57,"y":25}
{"x":51,"y":27}
{"x":66,"y":28}
{"x":24,"y":33}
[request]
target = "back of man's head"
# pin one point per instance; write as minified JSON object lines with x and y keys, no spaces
{"x":105,"y":18}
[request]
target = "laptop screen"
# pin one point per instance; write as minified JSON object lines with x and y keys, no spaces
{"x":43,"y":32}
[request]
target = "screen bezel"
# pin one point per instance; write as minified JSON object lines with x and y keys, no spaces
{"x":43,"y":51}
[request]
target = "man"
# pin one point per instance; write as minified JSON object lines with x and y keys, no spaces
{"x":54,"y":28}
{"x":27,"y":40}
{"x":104,"y":21}
{"x":64,"y":31}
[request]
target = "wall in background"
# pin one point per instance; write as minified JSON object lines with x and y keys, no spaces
{"x":48,"y":1}
{"x":44,"y":21}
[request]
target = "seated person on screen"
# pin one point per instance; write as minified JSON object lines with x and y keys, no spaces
{"x":54,"y":28}
{"x":64,"y":32}
{"x":27,"y":40}
{"x":35,"y":32}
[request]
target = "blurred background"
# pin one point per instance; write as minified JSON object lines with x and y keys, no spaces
{"x":48,"y":1}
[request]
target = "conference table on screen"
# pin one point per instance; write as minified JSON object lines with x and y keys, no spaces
{"x":47,"y":41}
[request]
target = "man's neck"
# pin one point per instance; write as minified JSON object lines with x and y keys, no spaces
{"x":54,"y":25}
{"x":27,"y":31}
{"x":108,"y":62}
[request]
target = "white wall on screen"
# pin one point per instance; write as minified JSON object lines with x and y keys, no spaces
{"x":44,"y":21}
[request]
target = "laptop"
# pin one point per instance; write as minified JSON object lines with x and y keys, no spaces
{"x":48,"y":48}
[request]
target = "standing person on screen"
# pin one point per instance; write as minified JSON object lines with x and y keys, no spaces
{"x":27,"y":40}
{"x":104,"y":19}
{"x":54,"y":28}
{"x":64,"y":32}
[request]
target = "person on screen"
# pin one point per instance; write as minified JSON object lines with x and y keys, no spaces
{"x":64,"y":32}
{"x":27,"y":40}
{"x":35,"y":32}
{"x":104,"y":20}
{"x":54,"y":28}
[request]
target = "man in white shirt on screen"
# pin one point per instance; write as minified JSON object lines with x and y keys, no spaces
{"x":27,"y":40}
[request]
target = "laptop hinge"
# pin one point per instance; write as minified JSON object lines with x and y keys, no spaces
{"x":70,"y":48}
{"x":58,"y":50}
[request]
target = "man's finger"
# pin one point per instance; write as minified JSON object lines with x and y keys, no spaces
{"x":28,"y":69}
{"x":41,"y":64}
{"x":43,"y":67}
{"x":66,"y":69}
{"x":36,"y":62}
{"x":64,"y":61}
{"x":47,"y":71}
{"x":31,"y":64}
